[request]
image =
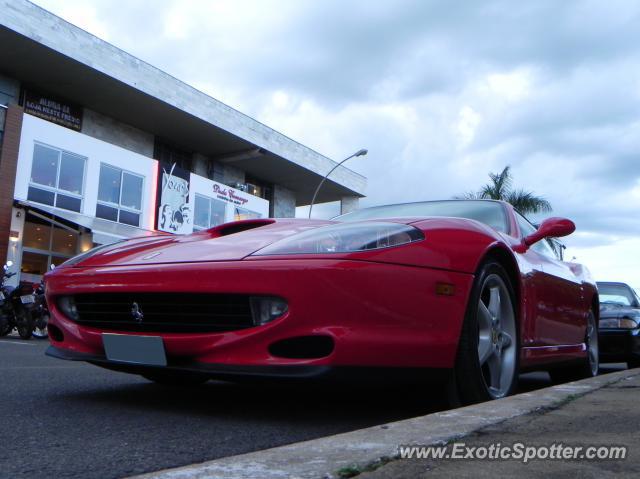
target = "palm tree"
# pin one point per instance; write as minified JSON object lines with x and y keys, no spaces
{"x":500,"y":189}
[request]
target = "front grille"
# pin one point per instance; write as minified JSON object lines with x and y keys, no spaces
{"x":165,"y":312}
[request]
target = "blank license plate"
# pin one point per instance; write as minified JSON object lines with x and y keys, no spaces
{"x":27,"y":298}
{"x":124,"y":348}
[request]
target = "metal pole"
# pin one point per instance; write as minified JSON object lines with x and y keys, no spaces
{"x":361,"y":152}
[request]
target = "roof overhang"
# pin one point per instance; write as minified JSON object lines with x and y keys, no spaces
{"x":48,"y":53}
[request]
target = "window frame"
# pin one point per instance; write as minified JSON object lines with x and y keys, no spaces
{"x":119,"y":206}
{"x":57,"y":190}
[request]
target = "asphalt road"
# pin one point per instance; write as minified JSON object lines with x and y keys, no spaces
{"x":73,"y":420}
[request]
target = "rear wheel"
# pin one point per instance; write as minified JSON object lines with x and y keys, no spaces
{"x":487,"y":360}
{"x":590,"y":365}
{"x":40,"y":330}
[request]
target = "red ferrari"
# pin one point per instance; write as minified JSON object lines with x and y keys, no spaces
{"x":465,"y":287}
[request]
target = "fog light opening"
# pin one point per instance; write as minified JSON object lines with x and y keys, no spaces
{"x":55,"y":333}
{"x":265,"y":309}
{"x":67,"y":304}
{"x":303,"y":347}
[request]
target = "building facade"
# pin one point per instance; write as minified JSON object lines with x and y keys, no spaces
{"x":97,"y":146}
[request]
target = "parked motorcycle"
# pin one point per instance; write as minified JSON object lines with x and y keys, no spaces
{"x":16,"y":305}
{"x":40,"y":313}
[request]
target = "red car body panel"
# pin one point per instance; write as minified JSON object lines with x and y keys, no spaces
{"x":379,"y":315}
{"x":382,"y":307}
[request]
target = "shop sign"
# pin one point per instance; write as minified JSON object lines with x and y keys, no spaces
{"x":229,"y":195}
{"x":53,"y":110}
{"x":172,"y":201}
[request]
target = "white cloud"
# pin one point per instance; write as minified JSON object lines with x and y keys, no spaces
{"x":439,"y":95}
{"x":512,"y":86}
{"x":467,"y":124}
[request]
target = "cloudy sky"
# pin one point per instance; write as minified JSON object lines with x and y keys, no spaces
{"x":441,"y":93}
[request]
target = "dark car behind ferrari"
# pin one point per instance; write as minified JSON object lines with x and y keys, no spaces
{"x":619,"y":323}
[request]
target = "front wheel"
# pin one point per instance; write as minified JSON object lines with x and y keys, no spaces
{"x":5,"y":326}
{"x":487,"y":360}
{"x":24,"y":323}
{"x":590,"y":365}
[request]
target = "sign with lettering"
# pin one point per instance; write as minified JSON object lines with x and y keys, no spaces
{"x":229,"y":195}
{"x":174,"y":213}
{"x":53,"y":110}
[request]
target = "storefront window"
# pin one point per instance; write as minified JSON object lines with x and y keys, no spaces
{"x":208,"y":212}
{"x":119,"y":195}
{"x":45,"y":243}
{"x":64,"y":241}
{"x":34,"y":263}
{"x":242,"y":214}
{"x":37,"y":235}
{"x":57,"y":178}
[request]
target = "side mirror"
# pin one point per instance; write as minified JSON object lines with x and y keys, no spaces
{"x":550,"y":228}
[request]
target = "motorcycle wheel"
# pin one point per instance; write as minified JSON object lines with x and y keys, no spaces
{"x":6,"y":329}
{"x":41,"y":332}
{"x":24,"y":324}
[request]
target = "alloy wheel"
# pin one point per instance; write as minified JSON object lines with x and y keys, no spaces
{"x":497,"y":345}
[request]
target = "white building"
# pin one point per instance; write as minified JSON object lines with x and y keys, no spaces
{"x":97,"y":146}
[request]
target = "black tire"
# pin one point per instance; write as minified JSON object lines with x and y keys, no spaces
{"x":5,"y":330}
{"x":470,"y":379}
{"x":40,"y":328}
{"x":24,"y":323}
{"x":587,"y":367}
{"x":173,"y":378}
{"x":633,"y":363}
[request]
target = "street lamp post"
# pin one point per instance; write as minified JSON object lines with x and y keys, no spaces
{"x":361,"y":152}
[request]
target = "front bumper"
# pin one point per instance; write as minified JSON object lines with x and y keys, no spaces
{"x":226,"y":372}
{"x":378,"y":315}
{"x":619,"y":344}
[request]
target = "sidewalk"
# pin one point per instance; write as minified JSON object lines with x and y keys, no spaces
{"x":594,"y":412}
{"x":607,"y":416}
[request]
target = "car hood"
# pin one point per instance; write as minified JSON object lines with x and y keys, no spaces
{"x":618,"y":312}
{"x":228,"y":242}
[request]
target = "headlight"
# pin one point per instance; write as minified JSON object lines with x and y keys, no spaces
{"x":345,"y":238}
{"x":615,"y":323}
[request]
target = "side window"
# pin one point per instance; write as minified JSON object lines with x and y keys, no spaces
{"x":543,"y":247}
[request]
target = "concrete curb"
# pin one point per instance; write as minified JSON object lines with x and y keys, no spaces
{"x":321,"y":458}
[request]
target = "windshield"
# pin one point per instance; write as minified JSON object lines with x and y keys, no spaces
{"x":619,"y":294}
{"x":490,"y":213}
